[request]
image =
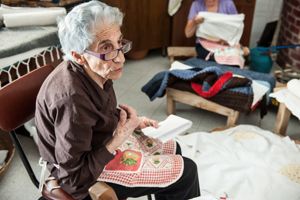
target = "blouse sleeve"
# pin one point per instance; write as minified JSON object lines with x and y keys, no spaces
{"x":193,"y":10}
{"x":78,"y":162}
{"x":230,"y":7}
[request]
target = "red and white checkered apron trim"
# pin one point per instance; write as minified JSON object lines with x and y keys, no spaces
{"x":156,"y":171}
{"x":224,"y":54}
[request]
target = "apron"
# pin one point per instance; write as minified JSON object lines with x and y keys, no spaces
{"x":142,"y":161}
{"x":224,"y":54}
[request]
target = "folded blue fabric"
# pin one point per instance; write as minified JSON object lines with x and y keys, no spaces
{"x":157,"y":85}
{"x":200,"y":63}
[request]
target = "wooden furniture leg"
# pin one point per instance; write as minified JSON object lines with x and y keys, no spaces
{"x":180,"y":51}
{"x":232,"y":118}
{"x":282,"y":119}
{"x":171,"y":105}
{"x":189,"y":98}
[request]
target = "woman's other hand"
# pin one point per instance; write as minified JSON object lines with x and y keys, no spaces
{"x":145,"y":122}
{"x":127,"y":124}
{"x":246,"y":51}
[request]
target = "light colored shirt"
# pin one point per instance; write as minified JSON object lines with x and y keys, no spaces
{"x":225,"y":7}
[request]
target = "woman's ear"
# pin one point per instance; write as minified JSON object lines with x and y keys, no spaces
{"x":79,"y":58}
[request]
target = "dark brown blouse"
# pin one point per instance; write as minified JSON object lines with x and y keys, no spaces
{"x":75,"y":118}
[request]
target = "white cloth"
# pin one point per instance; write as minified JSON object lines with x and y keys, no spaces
{"x":176,"y":65}
{"x":259,"y":90}
{"x":290,"y":100}
{"x":26,"y":16}
{"x":169,"y":128}
{"x":294,"y":87}
{"x":221,"y":26}
{"x":31,"y":128}
{"x":12,"y":10}
{"x":8,"y":10}
{"x":173,"y":6}
{"x":3,"y":155}
{"x":244,"y":162}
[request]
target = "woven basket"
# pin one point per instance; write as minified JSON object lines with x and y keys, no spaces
{"x":6,"y":144}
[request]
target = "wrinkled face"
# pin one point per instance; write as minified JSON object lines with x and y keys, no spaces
{"x":108,"y":38}
{"x":211,"y":2}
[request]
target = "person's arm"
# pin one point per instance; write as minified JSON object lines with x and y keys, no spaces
{"x":193,"y":20}
{"x":191,"y":26}
{"x":79,"y":163}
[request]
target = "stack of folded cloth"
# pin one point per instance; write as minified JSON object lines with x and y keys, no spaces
{"x":26,"y":16}
{"x":290,"y":97}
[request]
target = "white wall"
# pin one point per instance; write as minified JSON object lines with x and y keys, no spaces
{"x":265,"y":11}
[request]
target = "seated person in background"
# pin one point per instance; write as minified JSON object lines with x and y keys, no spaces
{"x":204,"y":46}
{"x":84,"y":137}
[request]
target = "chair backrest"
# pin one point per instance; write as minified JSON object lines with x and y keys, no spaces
{"x":17,"y":99}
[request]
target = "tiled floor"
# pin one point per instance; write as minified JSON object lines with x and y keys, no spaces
{"x":15,"y":184}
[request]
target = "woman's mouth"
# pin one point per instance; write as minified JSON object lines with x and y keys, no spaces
{"x":118,"y":70}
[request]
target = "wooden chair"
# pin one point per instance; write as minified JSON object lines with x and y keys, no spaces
{"x":17,"y":107}
{"x":175,"y":95}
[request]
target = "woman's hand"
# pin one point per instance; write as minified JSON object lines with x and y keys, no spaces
{"x":127,"y":124}
{"x":191,"y":26}
{"x":198,"y":20}
{"x":145,"y":122}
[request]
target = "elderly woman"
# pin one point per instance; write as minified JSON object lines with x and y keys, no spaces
{"x":84,"y":137}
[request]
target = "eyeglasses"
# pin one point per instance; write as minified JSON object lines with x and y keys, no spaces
{"x":126,"y":46}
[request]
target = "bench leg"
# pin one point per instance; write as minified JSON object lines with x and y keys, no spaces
{"x":232,"y":118}
{"x":282,"y":119}
{"x":171,"y":106}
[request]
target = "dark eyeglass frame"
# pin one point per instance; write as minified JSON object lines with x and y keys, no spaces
{"x":126,"y":47}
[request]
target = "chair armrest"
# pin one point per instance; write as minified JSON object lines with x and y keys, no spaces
{"x":102,"y":191}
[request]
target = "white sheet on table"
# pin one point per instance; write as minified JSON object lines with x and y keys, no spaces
{"x":33,"y":18}
{"x":4,"y":9}
{"x":243,"y":162}
{"x":293,"y":86}
{"x":290,"y":100}
{"x":259,"y":90}
{"x":221,"y":26}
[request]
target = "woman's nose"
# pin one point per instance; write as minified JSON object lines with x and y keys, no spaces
{"x":120,"y":58}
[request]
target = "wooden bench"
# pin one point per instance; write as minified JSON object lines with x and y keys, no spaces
{"x":175,"y":95}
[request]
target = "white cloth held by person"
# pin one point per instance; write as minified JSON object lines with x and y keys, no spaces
{"x":218,"y":26}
